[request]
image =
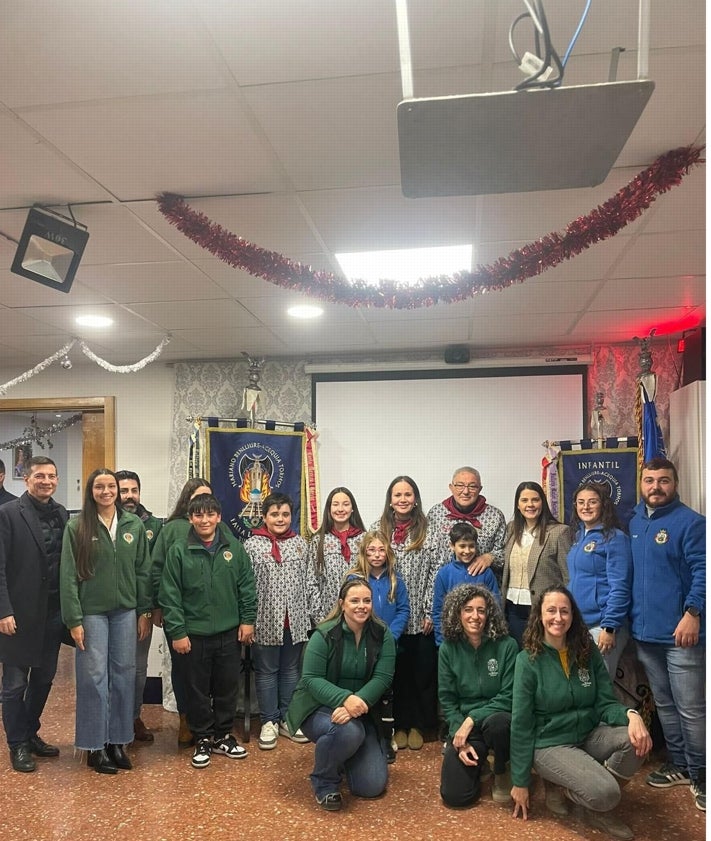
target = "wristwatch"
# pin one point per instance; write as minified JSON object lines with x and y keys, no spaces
{"x":694,"y":611}
{"x":147,"y":614}
{"x":609,"y":630}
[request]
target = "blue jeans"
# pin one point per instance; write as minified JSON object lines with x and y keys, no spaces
{"x":677,"y":677}
{"x":25,"y":689}
{"x":591,"y":771}
{"x":142,"y":649}
{"x":354,"y":748}
{"x":106,"y":680}
{"x":276,"y":673}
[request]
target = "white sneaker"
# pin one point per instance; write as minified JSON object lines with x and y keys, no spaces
{"x":295,"y":737}
{"x":268,"y":736}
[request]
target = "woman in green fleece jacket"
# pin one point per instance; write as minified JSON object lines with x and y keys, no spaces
{"x":476,"y":670}
{"x":567,"y":722}
{"x":348,"y":664}
{"x":105,"y":595}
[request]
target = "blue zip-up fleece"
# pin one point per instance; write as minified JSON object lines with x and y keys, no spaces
{"x":600,"y":569}
{"x":668,"y":570}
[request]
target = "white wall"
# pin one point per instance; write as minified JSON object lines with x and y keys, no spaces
{"x":144,"y":412}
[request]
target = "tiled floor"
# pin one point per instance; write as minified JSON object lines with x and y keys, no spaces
{"x":267,"y":797}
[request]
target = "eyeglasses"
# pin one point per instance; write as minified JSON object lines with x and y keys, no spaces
{"x":375,"y":550}
{"x":460,"y":486}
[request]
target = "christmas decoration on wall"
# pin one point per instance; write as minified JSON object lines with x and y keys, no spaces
{"x":601,"y":223}
{"x":66,"y":363}
{"x":41,"y":435}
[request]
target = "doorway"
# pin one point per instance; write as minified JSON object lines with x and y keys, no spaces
{"x":98,"y":434}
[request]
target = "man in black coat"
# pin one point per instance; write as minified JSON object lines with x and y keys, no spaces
{"x":31,"y":626}
{"x":5,"y":495}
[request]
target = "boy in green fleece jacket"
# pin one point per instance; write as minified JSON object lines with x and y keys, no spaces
{"x":209,"y":608}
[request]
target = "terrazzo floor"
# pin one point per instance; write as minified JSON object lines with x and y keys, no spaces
{"x":268,"y":796}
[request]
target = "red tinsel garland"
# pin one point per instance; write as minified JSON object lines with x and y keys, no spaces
{"x":603,"y":222}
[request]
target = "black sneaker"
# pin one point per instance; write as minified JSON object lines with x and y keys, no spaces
{"x":229,"y":747}
{"x":330,"y":802}
{"x":667,"y":776}
{"x":201,"y":756}
{"x":698,"y":789}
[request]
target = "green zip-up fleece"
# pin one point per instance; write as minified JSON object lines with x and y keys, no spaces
{"x":335,"y":668}
{"x":205,"y":592}
{"x":170,"y":533}
{"x":551,"y":709}
{"x":475,"y":682}
{"x":121,"y":579}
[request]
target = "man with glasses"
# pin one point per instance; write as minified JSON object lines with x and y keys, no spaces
{"x":31,"y":626}
{"x":467,"y":505}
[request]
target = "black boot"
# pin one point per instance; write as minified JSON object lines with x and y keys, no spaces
{"x":39,"y":747}
{"x":118,"y":756}
{"x":100,"y":761}
{"x":21,"y":758}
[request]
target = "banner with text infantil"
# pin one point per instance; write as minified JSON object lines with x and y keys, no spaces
{"x":246,"y":465}
{"x":616,"y":469}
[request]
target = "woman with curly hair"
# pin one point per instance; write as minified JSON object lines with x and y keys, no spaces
{"x":600,"y":569}
{"x":567,"y":723}
{"x":476,"y":670}
{"x":333,"y":550}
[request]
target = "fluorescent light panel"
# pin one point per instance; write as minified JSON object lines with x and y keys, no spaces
{"x":406,"y":265}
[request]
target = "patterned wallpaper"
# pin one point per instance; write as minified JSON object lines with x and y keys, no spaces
{"x":215,"y":388}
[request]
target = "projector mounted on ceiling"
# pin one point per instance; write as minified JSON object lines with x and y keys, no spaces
{"x":516,"y":141}
{"x":541,"y":136}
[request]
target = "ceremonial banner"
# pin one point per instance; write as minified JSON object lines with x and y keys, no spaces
{"x":245,"y":465}
{"x":616,"y":469}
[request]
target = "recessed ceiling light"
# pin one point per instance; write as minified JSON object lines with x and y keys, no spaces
{"x":93,"y":320}
{"x":305,"y":311}
{"x":405,"y":265}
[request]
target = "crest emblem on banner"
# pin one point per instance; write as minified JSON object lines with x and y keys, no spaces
{"x":255,"y":470}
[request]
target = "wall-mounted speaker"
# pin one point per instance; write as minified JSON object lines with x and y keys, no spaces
{"x":694,"y":359}
{"x":457,"y":355}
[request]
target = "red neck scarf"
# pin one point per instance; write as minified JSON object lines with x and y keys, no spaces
{"x":402,"y":527}
{"x":453,"y":513}
{"x":343,"y":536}
{"x":262,"y":531}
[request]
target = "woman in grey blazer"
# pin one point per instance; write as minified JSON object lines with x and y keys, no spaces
{"x":534,"y":555}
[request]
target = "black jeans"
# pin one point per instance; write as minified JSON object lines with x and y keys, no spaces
{"x":460,"y":784}
{"x":415,"y":682}
{"x":211,"y":672}
{"x":25,"y":689}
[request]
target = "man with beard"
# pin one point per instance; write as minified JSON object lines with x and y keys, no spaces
{"x":467,"y":505}
{"x":130,"y":491}
{"x":668,"y":622}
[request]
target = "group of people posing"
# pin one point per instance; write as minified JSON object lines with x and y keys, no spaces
{"x":365,"y":640}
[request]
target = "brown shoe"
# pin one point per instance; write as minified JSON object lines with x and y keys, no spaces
{"x":501,"y":788}
{"x":609,"y":823}
{"x":140,"y":732}
{"x":414,"y":739}
{"x":185,"y":736}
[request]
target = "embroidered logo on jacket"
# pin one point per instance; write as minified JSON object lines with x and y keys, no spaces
{"x":661,"y":537}
{"x":590,"y":547}
{"x":584,"y":676}
{"x":227,"y":556}
{"x":149,"y":534}
{"x":128,"y":537}
{"x":493,"y":667}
